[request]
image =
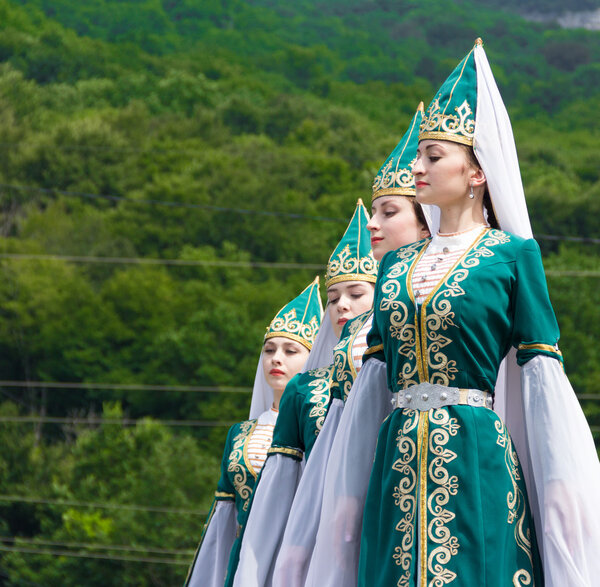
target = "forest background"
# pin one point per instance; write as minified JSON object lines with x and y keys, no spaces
{"x":171,"y":173}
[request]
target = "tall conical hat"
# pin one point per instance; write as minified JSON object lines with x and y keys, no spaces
{"x":352,"y":259}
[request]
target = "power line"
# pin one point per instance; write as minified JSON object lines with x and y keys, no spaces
{"x":93,"y":555}
{"x":124,"y":386}
{"x":118,"y":421}
{"x":219,"y":263}
{"x":170,"y":204}
{"x":151,"y":261}
{"x":294,"y":215}
{"x":102,"y":506}
{"x":115,"y":547}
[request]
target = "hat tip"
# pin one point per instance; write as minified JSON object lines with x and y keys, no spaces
{"x":317,"y":280}
{"x":359,"y":202}
{"x":478,"y":42}
{"x":421,"y":107}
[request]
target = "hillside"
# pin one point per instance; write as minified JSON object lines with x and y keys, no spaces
{"x":198,"y":137}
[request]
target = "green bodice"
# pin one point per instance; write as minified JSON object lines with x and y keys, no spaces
{"x":344,"y":371}
{"x":302,"y":412}
{"x":493,"y":298}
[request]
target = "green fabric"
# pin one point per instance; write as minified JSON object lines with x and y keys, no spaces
{"x":395,"y":177}
{"x":476,"y":524}
{"x":352,"y":259}
{"x":299,"y":319}
{"x":451,"y":114}
{"x":344,"y":371}
{"x":496,"y":297}
{"x":302,"y":412}
{"x":446,"y":489}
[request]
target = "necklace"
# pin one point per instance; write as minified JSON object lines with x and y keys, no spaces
{"x":463,"y":231}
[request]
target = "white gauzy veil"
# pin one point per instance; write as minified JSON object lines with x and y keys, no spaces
{"x":321,"y":353}
{"x":537,"y":402}
{"x":432,"y":217}
{"x":262,"y":392}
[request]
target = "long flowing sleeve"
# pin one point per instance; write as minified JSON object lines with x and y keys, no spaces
{"x":335,"y":557}
{"x":269,"y":512}
{"x":566,"y":476}
{"x":552,"y":437}
{"x":212,"y":555}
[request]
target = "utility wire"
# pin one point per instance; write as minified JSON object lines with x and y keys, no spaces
{"x":102,"y":506}
{"x":118,"y":421}
{"x":295,"y":215}
{"x":151,"y":261}
{"x":93,"y":555}
{"x":115,"y":547}
{"x":219,"y":263}
{"x":169,"y":204}
{"x":124,"y":386}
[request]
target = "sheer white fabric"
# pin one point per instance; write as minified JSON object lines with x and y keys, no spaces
{"x":432,"y":217}
{"x":210,"y":566}
{"x":271,"y":505}
{"x":566,"y":476}
{"x":496,"y":152}
{"x":262,"y":392}
{"x":335,"y":557}
{"x":321,"y":354}
{"x":301,"y":532}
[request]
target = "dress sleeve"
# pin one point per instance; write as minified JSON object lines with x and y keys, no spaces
{"x":287,"y":436}
{"x":535,"y":330}
{"x":375,"y":336}
{"x":209,"y":567}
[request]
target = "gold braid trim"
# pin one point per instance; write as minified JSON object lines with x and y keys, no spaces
{"x":291,"y":452}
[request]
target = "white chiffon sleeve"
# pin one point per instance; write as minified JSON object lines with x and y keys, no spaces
{"x":210,"y":565}
{"x":268,"y":516}
{"x":565,"y":476}
{"x":335,"y":557}
{"x":301,"y":532}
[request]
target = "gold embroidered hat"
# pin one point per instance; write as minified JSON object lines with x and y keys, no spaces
{"x":299,"y":319}
{"x":395,"y":177}
{"x":352,"y":259}
{"x":451,"y":114}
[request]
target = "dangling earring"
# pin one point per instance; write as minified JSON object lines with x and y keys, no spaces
{"x":471,"y":194}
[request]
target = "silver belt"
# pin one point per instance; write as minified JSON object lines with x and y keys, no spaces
{"x":428,"y":396}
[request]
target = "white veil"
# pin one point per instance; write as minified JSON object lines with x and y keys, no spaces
{"x":321,"y":353}
{"x":537,"y":402}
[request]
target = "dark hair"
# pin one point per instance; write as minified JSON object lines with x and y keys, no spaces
{"x":487,"y":200}
{"x":419,"y":213}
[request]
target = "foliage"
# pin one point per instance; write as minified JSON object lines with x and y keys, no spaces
{"x":222,"y":131}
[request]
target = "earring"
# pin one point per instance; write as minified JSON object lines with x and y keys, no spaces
{"x":471,"y":194}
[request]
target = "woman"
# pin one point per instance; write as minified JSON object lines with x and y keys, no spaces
{"x":286,"y":347}
{"x":351,"y":272}
{"x":396,"y":220}
{"x":447,"y":502}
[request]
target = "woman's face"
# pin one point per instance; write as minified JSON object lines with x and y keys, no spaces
{"x":346,"y":300}
{"x":393,"y":224}
{"x":442,"y":173}
{"x":282,"y":359}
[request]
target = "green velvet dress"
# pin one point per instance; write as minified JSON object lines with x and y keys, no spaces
{"x":447,"y":504}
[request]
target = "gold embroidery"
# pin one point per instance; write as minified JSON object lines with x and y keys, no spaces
{"x":345,"y":267}
{"x":292,"y":452}
{"x":290,"y":327}
{"x":224,"y":495}
{"x":320,"y":395}
{"x":374,"y":349}
{"x":404,"y":494}
{"x":521,"y":577}
{"x":239,"y":465}
{"x":541,"y":347}
{"x":422,"y":441}
{"x":515,"y":500}
{"x":438,"y":499}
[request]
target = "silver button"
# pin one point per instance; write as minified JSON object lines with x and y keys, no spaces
{"x":433,"y":267}
{"x":445,"y":250}
{"x":476,"y":398}
{"x":408,"y":398}
{"x":417,"y":293}
{"x":424,"y":397}
{"x":424,"y":278}
{"x":489,"y":402}
{"x":443,"y":396}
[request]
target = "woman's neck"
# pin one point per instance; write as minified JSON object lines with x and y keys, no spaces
{"x":277,"y":398}
{"x":460,"y":219}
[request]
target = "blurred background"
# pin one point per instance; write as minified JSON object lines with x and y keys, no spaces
{"x":171,"y":173}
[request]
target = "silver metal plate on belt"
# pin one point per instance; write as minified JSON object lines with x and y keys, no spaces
{"x":429,"y":396}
